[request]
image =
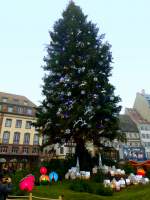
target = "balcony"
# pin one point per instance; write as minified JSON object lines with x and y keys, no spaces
{"x":28,"y":150}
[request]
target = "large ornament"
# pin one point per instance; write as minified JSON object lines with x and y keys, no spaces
{"x":95,"y":96}
{"x":141,"y":172}
{"x":111,"y":98}
{"x":67,"y":131}
{"x":69,"y":94}
{"x":95,"y":79}
{"x":44,"y":179}
{"x":27,"y":183}
{"x":61,"y":80}
{"x":53,"y":176}
{"x":43,"y":170}
{"x":83,"y":69}
{"x":82,"y":91}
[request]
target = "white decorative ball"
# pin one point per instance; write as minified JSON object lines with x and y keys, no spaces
{"x":95,"y":79}
{"x":82,"y":91}
{"x":61,"y":79}
{"x":69,"y":94}
{"x":83,"y":69}
{"x":67,"y":131}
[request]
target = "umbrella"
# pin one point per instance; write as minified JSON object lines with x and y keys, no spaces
{"x":2,"y":160}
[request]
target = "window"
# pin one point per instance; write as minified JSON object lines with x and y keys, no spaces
{"x":61,"y":150}
{"x":6,"y":135}
{"x":130,"y":144}
{"x":25,"y":103}
{"x":36,"y":139}
{"x":128,"y":135}
{"x":29,"y":111}
{"x":147,"y":135}
{"x":19,"y":109}
{"x":8,"y":122}
{"x":26,"y":138}
{"x":136,"y":135}
{"x":18,"y":123}
{"x":16,"y":138}
{"x":16,"y":101}
{"x":10,"y":109}
{"x":28,"y":124}
{"x":25,"y":150}
{"x":45,"y":139}
{"x":145,"y":144}
{"x":15,"y":150}
{"x":136,"y":144}
{"x":4,"y":99}
{"x":35,"y":150}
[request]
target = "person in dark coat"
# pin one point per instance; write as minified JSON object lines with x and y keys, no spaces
{"x":5,"y":187}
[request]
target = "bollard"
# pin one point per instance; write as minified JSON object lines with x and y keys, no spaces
{"x":30,"y":196}
{"x":61,"y":197}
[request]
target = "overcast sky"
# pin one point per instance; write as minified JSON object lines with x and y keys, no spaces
{"x":24,"y":26}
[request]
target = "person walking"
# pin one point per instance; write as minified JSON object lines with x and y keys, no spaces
{"x":5,"y":187}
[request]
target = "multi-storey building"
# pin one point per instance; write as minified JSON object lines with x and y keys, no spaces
{"x":19,"y":141}
{"x":129,"y":128}
{"x":143,"y":127}
{"x":131,"y":149}
{"x":142,"y":105}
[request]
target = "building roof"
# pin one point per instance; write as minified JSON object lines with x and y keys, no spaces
{"x":146,"y":96}
{"x":126,"y":124}
{"x":16,"y":99}
{"x":136,"y":117}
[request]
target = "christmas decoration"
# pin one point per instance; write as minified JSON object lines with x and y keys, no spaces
{"x":67,"y":131}
{"x":82,"y":91}
{"x":44,"y":179}
{"x":76,"y":87}
{"x":43,"y":170}
{"x":95,"y":79}
{"x":27,"y":183}
{"x":53,"y":176}
{"x":141,"y":172}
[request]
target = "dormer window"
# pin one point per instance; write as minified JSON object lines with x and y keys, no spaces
{"x":25,"y":103}
{"x":5,"y":99}
{"x":16,"y":101}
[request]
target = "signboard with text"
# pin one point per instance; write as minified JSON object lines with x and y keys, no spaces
{"x":134,"y":153}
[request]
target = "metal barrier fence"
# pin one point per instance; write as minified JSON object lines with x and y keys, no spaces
{"x":31,"y":197}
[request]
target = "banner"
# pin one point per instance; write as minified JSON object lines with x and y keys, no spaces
{"x":134,"y":153}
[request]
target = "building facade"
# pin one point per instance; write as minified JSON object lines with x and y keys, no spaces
{"x":143,"y":127}
{"x":19,"y":141}
{"x":132,"y":149}
{"x":142,"y":105}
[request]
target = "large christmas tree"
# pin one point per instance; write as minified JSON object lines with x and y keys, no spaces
{"x":79,"y":101}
